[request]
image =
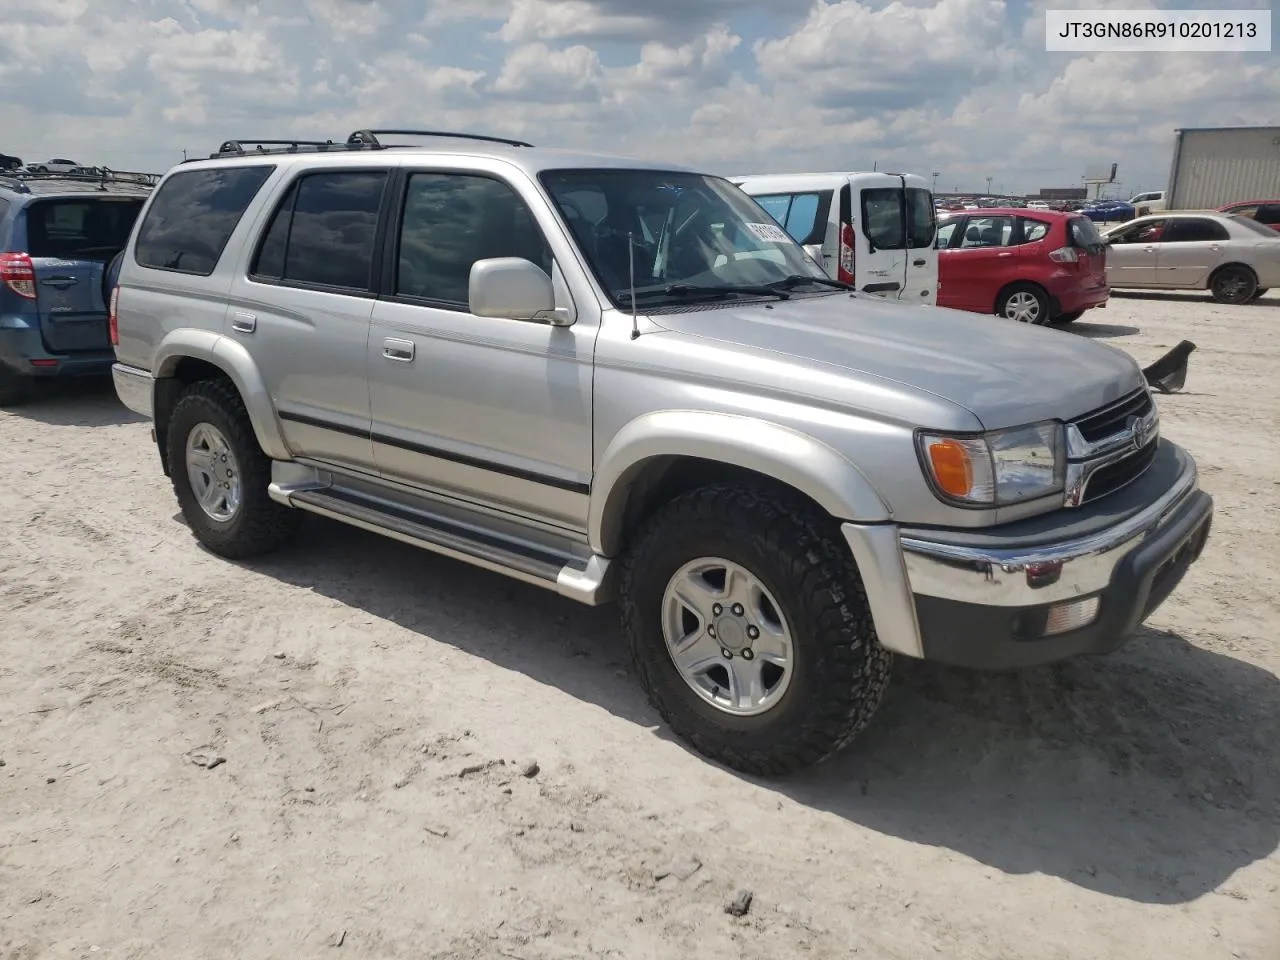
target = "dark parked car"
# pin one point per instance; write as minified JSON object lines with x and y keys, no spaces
{"x":10,"y":163}
{"x":57,"y":234}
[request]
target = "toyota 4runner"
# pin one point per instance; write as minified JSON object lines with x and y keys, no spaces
{"x":618,"y":379}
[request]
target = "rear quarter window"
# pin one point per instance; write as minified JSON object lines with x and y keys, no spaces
{"x":193,"y":215}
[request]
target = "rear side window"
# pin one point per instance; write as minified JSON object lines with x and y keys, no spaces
{"x":1268,"y":213}
{"x":193,"y":216}
{"x":988,"y":232}
{"x":1192,"y":231}
{"x":802,"y":215}
{"x":80,"y":228}
{"x":921,"y":218}
{"x":323,"y":231}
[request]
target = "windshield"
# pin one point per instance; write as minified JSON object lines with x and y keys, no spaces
{"x":1254,"y":226}
{"x":683,"y":231}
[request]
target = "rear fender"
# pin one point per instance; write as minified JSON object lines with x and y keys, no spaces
{"x":792,"y":458}
{"x":233,"y":360}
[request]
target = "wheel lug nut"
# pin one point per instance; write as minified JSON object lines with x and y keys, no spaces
{"x":724,"y":651}
{"x":752,"y":632}
{"x":737,"y":610}
{"x":717,"y":609}
{"x":747,"y":654}
{"x":711,"y":631}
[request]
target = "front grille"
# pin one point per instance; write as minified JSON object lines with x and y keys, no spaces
{"x":1115,"y":418}
{"x":1112,"y":477}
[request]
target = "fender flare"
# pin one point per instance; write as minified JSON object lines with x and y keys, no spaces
{"x":234,"y":360}
{"x":787,"y":455}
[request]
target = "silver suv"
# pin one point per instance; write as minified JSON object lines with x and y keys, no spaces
{"x":618,"y":379}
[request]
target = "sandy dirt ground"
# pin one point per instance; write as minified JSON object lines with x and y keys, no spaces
{"x":378,"y":710}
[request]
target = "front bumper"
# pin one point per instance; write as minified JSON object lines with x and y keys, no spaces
{"x":989,"y":603}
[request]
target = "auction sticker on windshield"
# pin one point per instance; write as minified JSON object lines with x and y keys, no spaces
{"x":770,"y":232}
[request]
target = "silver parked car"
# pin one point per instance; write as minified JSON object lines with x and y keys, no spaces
{"x":1233,"y":257}
{"x":623,"y":380}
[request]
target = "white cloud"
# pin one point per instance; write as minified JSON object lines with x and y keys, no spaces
{"x":959,"y":86}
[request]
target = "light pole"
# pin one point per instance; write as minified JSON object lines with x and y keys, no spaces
{"x":936,"y":175}
{"x":989,"y":186}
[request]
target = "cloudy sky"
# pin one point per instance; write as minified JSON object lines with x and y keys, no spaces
{"x":962,"y":87}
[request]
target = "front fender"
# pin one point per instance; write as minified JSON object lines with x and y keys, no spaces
{"x":787,"y":455}
{"x":234,"y":360}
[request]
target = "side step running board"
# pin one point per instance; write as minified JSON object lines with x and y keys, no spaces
{"x":573,"y":577}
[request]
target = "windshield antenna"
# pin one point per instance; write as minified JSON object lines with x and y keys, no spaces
{"x":631,"y":258}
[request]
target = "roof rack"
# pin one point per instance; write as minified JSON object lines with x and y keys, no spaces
{"x":100,"y":176}
{"x":370,"y":137}
{"x":359,"y":140}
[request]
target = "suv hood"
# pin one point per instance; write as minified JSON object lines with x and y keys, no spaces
{"x":1004,"y":372}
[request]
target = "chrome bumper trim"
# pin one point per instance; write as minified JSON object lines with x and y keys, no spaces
{"x":134,"y":387}
{"x":1045,"y":574}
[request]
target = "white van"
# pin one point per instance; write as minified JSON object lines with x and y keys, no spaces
{"x":874,"y":230}
{"x":1145,"y":203}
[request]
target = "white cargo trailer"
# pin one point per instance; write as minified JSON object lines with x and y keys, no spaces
{"x":1214,"y":166}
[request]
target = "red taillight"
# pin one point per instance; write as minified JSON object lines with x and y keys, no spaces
{"x":113,"y":322}
{"x":845,"y":270}
{"x":18,"y":274}
{"x":1064,"y":255}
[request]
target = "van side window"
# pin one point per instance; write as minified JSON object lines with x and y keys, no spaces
{"x":322,"y":233}
{"x":451,"y":221}
{"x":193,"y":215}
{"x":802,"y":215}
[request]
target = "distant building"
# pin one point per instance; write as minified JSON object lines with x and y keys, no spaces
{"x":1064,"y":193}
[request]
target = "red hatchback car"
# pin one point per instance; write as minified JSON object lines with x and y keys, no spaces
{"x":1037,"y":266}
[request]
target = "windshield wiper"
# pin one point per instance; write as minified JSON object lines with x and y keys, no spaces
{"x":793,"y":281}
{"x":688,"y":290}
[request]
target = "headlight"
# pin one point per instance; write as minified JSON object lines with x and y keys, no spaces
{"x":996,"y":469}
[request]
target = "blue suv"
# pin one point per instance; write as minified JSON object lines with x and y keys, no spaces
{"x":58,"y":234}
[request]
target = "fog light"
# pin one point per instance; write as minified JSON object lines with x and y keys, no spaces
{"x":1071,"y":615}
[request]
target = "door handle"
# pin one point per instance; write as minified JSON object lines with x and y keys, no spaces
{"x":918,"y":263}
{"x":1004,"y":254}
{"x":401,"y":350}
{"x":242,"y":322}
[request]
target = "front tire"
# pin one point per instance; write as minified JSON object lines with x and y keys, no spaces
{"x":762,"y":576}
{"x":1233,"y":285}
{"x":220,"y":474}
{"x":1025,"y":303}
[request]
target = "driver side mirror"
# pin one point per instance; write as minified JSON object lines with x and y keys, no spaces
{"x":512,"y":288}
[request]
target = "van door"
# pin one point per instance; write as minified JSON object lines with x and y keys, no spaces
{"x":805,"y":215}
{"x":895,"y":230}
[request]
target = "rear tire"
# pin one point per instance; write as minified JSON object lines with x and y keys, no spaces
{"x":1233,"y":284}
{"x":220,"y":474}
{"x":15,"y":389}
{"x":1023,"y":302}
{"x":1071,"y":317}
{"x":806,"y":598}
